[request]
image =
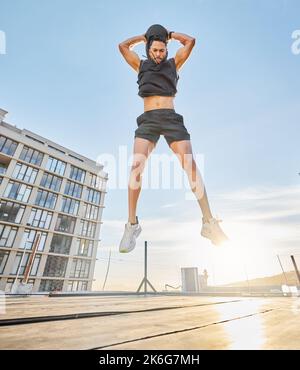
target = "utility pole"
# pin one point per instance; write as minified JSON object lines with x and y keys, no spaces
{"x":286,"y":280}
{"x":145,"y":280}
{"x":296,"y":268}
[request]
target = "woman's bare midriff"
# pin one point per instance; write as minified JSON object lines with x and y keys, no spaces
{"x":158,"y":102}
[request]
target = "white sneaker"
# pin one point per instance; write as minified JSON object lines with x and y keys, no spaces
{"x":128,"y":241}
{"x":212,"y":230}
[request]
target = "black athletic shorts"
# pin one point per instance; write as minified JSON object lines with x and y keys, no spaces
{"x":156,"y":122}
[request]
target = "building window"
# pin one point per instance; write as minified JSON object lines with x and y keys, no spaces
{"x":29,"y":237}
{"x":17,"y":191}
{"x":93,"y":196}
{"x":3,"y":168}
{"x":73,"y":189}
{"x":54,"y":165}
{"x":51,"y":182}
{"x":91,"y":212}
{"x":25,"y":173}
{"x":87,"y":228}
{"x":11,"y":212}
{"x":3,"y":259}
{"x":84,"y":247}
{"x":80,"y":268}
{"x":55,"y":266}
{"x":77,"y":286}
{"x":7,"y":235}
{"x":31,"y":156}
{"x":51,"y":285}
{"x":61,"y":244}
{"x":65,"y":224}
{"x":46,"y":199}
{"x":97,"y":182}
{"x":7,"y":146}
{"x":77,"y":174}
{"x":39,"y":218}
{"x":21,"y":261}
{"x":70,"y":206}
{"x":35,"y":265}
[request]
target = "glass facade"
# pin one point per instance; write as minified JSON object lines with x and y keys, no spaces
{"x":55,"y":266}
{"x":3,"y":168}
{"x":21,"y":261}
{"x":51,"y":285}
{"x":3,"y":259}
{"x":91,"y":212}
{"x":61,"y":244}
{"x":46,"y":199}
{"x":88,"y":229}
{"x":97,"y":182}
{"x":77,"y":174}
{"x":11,"y":212}
{"x":80,"y":268}
{"x":77,"y":286}
{"x":29,"y":237}
{"x":55,"y":165}
{"x":73,"y":189}
{"x":7,"y":146}
{"x":31,"y":156}
{"x":93,"y":196}
{"x":84,"y":247}
{"x":70,"y":206}
{"x":65,"y":224}
{"x":17,"y":191}
{"x":7,"y":235}
{"x":40,"y":218}
{"x":25,"y":173}
{"x":51,"y":182}
{"x":44,"y":196}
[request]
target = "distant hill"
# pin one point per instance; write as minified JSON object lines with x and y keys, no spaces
{"x":279,"y":279}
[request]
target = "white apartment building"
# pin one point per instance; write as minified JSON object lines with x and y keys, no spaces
{"x":51,"y":203}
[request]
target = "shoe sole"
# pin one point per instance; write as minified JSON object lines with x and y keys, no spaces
{"x":215,"y":241}
{"x":129,"y":250}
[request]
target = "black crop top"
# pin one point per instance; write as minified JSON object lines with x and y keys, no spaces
{"x":157,"y":79}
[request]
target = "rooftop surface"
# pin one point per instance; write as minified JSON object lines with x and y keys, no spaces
{"x":150,"y":322}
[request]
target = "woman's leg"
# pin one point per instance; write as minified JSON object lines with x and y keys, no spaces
{"x":183,"y":150}
{"x":141,"y":151}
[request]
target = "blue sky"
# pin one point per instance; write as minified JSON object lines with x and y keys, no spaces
{"x":63,"y":77}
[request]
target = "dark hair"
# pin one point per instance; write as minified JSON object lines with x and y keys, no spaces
{"x":150,"y":41}
{"x":156,"y":32}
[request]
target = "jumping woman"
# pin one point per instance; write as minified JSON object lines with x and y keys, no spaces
{"x":157,"y":81}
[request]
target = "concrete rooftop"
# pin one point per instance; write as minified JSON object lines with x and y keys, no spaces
{"x":150,"y":322}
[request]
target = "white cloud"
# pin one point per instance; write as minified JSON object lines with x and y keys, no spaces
{"x":170,"y":205}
